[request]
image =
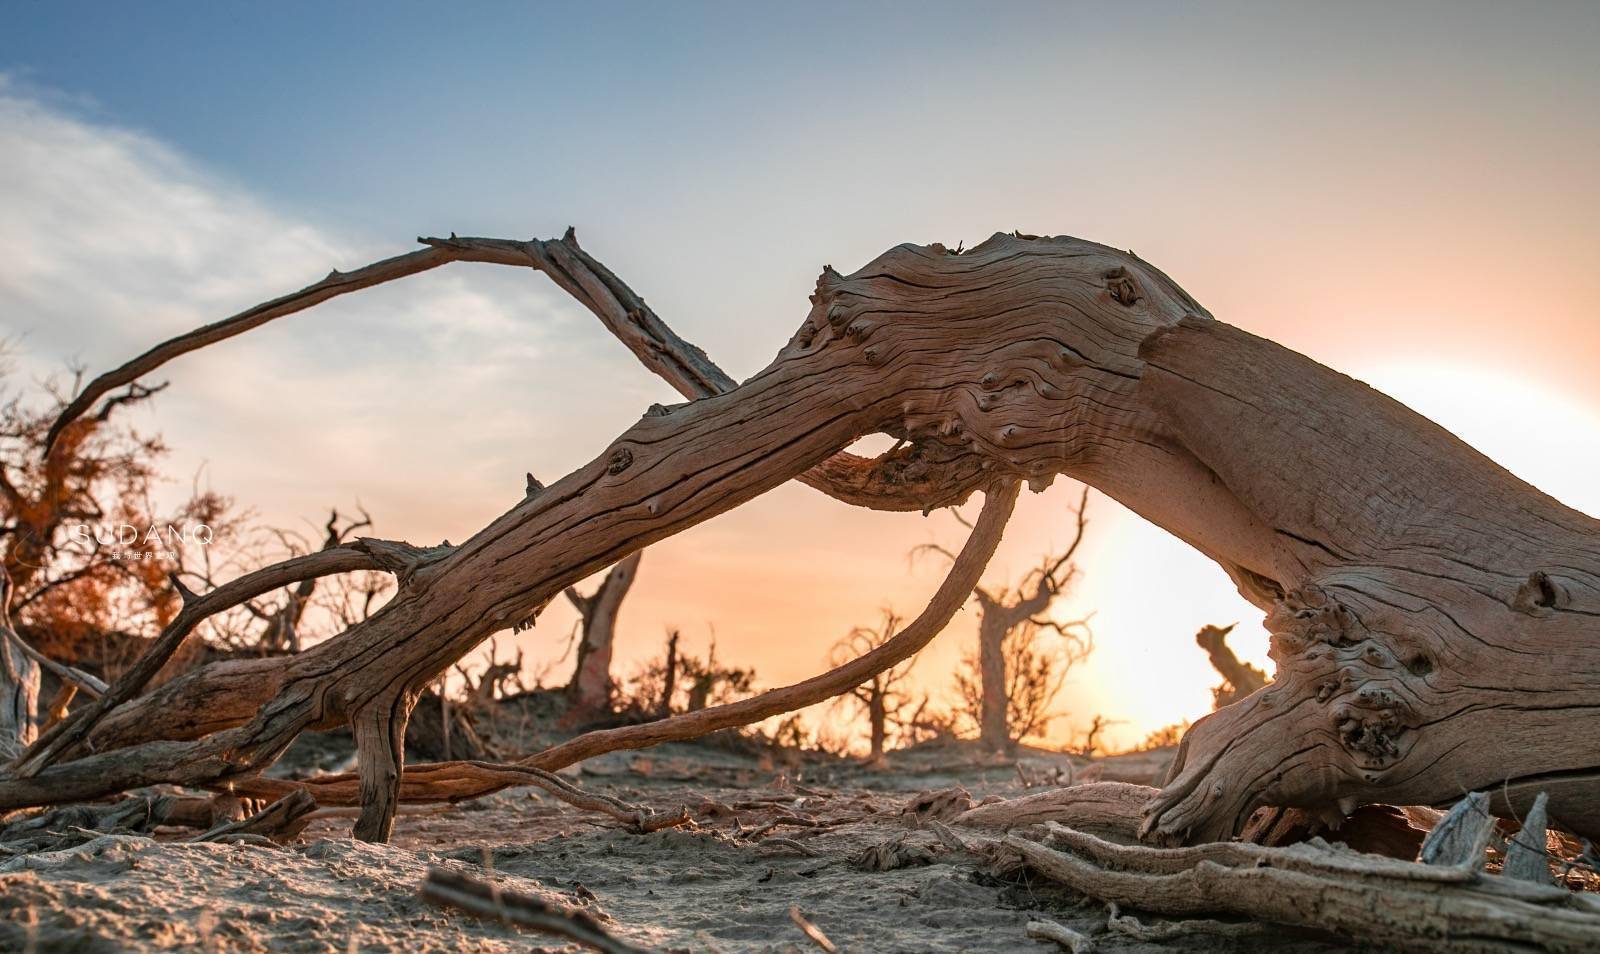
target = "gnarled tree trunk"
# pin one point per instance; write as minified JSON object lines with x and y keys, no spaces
{"x":1421,"y":598}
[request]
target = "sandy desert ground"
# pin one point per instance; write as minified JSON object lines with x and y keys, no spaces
{"x":722,"y":885}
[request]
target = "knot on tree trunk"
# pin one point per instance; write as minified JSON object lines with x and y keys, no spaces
{"x":1342,"y":713}
{"x":1324,"y":651}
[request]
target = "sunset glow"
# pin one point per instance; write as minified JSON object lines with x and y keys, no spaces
{"x":1422,"y":224}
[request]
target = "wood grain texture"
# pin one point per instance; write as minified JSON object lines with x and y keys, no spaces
{"x":1422,"y":600}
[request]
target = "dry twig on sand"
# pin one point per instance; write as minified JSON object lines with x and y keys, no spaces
{"x":1074,"y":941}
{"x":488,"y":900}
{"x":811,"y":930}
{"x":1404,"y":905}
{"x":282,"y":821}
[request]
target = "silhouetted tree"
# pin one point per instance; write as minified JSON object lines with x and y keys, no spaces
{"x":1009,"y":685}
{"x":881,"y":699}
{"x":1239,"y":679}
{"x":590,"y":689}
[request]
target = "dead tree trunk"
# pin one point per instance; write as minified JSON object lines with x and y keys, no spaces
{"x":1242,"y":678}
{"x":669,"y":676}
{"x":1421,"y":598}
{"x":995,"y":621}
{"x":19,"y":684}
{"x":1002,"y":613}
{"x":589,"y":691}
{"x":877,"y":725}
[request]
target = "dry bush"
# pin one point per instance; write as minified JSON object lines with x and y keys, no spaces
{"x":89,"y":551}
{"x":882,"y":700}
{"x":677,"y":681}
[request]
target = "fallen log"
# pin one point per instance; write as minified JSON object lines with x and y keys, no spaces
{"x":1420,"y":597}
{"x":1398,"y":904}
{"x":1109,"y":809}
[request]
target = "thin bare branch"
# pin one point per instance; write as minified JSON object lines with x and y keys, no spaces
{"x":457,"y":780}
{"x":70,"y":731}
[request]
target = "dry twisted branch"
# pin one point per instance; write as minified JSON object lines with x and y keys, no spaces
{"x":918,"y":476}
{"x":453,"y":781}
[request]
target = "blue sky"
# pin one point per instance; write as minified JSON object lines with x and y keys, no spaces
{"x":1404,"y":192}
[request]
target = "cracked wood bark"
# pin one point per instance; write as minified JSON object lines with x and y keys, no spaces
{"x":589,"y":690}
{"x":1421,"y":598}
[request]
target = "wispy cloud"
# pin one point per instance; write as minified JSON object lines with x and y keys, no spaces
{"x":113,"y":242}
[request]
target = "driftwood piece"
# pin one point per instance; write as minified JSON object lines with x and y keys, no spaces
{"x":1419,"y":596}
{"x":1462,"y":836}
{"x":1129,"y":926}
{"x":811,"y":931}
{"x":1403,"y":905}
{"x":1112,"y":809}
{"x":487,"y":900}
{"x":1075,"y":941}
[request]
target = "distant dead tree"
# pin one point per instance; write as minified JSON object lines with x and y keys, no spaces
{"x":19,"y":684}
{"x":1418,"y":595}
{"x":709,"y":681}
{"x":1239,"y":679}
{"x":590,"y":689}
{"x":700,"y":682}
{"x":497,"y":680}
{"x":280,"y":631}
{"x":882,"y":699}
{"x":1009,"y":685}
{"x":1090,"y":744}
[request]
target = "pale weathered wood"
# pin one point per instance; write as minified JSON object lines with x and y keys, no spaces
{"x":19,"y":683}
{"x":1528,"y":852}
{"x":1109,"y":809}
{"x":1400,"y":905}
{"x":1421,"y":598}
{"x":1462,"y":836}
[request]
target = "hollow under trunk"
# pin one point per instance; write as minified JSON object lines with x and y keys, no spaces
{"x":1421,"y":598}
